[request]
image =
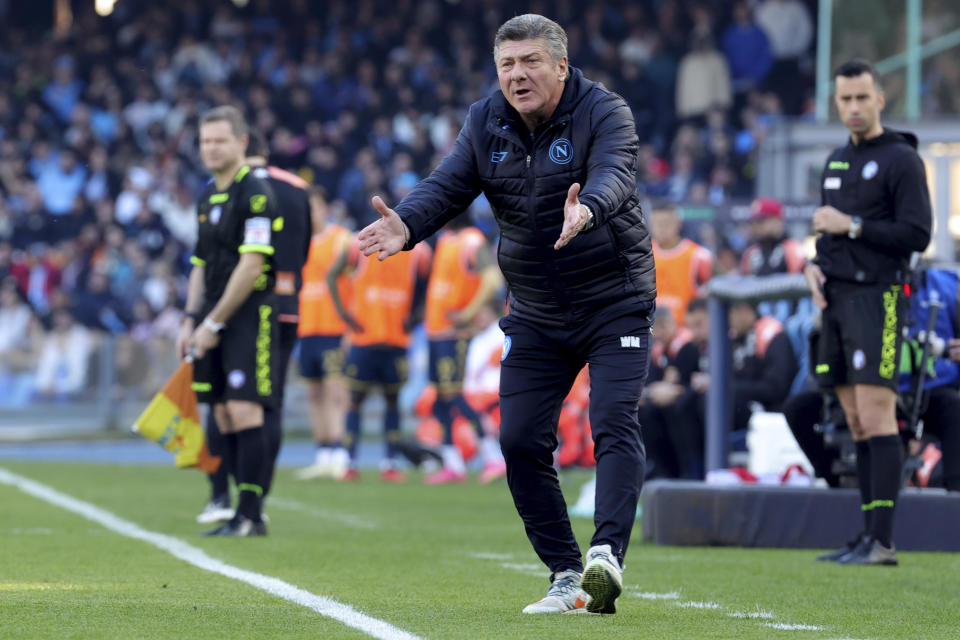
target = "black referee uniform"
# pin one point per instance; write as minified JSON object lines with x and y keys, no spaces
{"x":243,"y":366}
{"x":238,"y":220}
{"x":882,"y":185}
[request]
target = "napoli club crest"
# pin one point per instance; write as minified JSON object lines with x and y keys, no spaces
{"x":561,"y":151}
{"x":869,"y":170}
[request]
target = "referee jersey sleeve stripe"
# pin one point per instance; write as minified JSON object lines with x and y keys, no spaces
{"x":256,"y":248}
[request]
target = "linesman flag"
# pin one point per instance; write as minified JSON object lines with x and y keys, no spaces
{"x":172,"y":420}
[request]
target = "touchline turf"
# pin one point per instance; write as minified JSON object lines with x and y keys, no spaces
{"x":430,"y":562}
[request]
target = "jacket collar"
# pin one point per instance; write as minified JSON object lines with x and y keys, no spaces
{"x":575,"y":89}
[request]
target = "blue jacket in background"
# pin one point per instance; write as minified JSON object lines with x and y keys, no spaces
{"x":935,"y":284}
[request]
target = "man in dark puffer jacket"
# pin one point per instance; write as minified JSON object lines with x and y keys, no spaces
{"x":556,"y":156}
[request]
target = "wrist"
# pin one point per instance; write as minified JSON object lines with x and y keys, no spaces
{"x":855,"y":228}
{"x":213,"y":326}
{"x":406,"y":233}
{"x":590,"y":218}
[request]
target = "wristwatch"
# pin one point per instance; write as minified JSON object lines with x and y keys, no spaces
{"x":856,"y":226}
{"x":590,"y":218}
{"x":214,"y":326}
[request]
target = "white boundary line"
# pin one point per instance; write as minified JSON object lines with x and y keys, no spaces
{"x":188,"y":553}
{"x":339,"y":517}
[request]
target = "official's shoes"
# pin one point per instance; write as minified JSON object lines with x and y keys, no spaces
{"x":493,"y":470}
{"x":833,"y":556}
{"x":563,"y":596}
{"x":871,"y":551}
{"x":446,"y":476}
{"x":239,"y":527}
{"x":602,"y":579}
{"x":217,"y":510}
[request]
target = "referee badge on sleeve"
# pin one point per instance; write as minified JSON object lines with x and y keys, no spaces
{"x":257,"y":231}
{"x":507,"y":343}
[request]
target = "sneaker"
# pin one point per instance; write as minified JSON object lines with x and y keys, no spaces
{"x":563,"y":596}
{"x":217,"y":510}
{"x":339,"y":464}
{"x":239,"y":527}
{"x":493,"y":470}
{"x":833,"y":556}
{"x":446,"y":476}
{"x":314,"y":471}
{"x":351,"y":475}
{"x":871,"y":551}
{"x":393,"y":475}
{"x":602,"y":579}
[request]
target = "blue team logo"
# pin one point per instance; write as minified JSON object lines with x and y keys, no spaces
{"x":215,"y":214}
{"x":561,"y":151}
{"x":498,"y":156}
{"x":869,"y":170}
{"x":507,"y":342}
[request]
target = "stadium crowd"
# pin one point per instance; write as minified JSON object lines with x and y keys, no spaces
{"x":98,"y":158}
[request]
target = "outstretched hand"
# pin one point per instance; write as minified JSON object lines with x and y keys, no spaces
{"x":575,"y":217}
{"x":386,"y":236}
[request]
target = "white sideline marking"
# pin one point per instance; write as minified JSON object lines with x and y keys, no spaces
{"x":528,"y":568}
{"x":753,"y":615}
{"x":699,"y":605}
{"x":198,"y":558}
{"x":792,"y":627}
{"x":646,"y":595}
{"x":483,"y":555}
{"x":346,"y":519}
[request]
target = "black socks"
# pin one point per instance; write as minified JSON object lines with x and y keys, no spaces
{"x":251,"y":459}
{"x":886,"y":461}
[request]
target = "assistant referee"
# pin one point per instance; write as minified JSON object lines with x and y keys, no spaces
{"x":875,"y":213}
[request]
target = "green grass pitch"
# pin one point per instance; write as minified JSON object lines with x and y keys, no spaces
{"x":437,"y":562}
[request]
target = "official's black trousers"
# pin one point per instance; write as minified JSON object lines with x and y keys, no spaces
{"x":539,"y":366}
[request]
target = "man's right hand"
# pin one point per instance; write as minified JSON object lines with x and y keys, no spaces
{"x":816,"y":280}
{"x":386,"y":236}
{"x":183,"y":338}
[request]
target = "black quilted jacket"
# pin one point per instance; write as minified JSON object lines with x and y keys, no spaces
{"x":590,"y":139}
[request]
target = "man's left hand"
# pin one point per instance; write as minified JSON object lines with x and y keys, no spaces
{"x":202,"y":341}
{"x":575,"y":217}
{"x":830,"y":220}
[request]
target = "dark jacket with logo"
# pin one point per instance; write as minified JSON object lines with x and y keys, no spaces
{"x":883,"y":181}
{"x":525,"y":176}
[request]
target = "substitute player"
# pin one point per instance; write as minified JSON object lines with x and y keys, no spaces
{"x":231,"y":289}
{"x":321,"y":344}
{"x":388,"y":300}
{"x":462,"y":280}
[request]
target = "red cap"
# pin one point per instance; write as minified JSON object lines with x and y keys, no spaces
{"x":766,"y":208}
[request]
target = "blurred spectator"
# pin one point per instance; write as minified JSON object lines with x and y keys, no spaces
{"x":98,"y":308}
{"x":747,"y":49}
{"x":771,"y":250}
{"x":64,"y":358}
{"x":683,"y":266}
{"x":61,"y":182}
{"x":789,"y":28}
{"x":19,"y":345}
{"x":703,"y":80}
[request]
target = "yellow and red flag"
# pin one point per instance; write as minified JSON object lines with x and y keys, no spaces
{"x":172,"y":420}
